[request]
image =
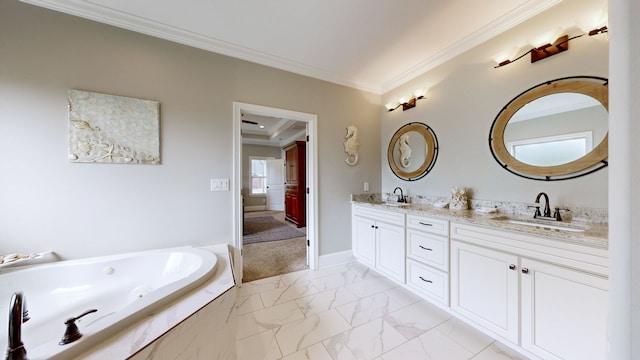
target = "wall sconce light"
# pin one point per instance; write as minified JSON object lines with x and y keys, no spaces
{"x":561,"y":44}
{"x":407,"y":104}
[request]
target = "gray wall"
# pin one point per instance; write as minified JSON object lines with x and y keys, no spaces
{"x":47,"y":203}
{"x":465,"y":96}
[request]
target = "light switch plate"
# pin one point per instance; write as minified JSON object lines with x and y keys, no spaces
{"x":219,"y":184}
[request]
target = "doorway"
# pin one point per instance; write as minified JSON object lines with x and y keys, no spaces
{"x":309,"y":120}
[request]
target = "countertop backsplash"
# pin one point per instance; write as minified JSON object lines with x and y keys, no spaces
{"x":582,"y":214}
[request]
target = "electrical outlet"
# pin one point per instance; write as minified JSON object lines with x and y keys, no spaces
{"x":366,"y":186}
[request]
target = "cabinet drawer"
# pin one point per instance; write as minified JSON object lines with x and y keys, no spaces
{"x":389,"y":217}
{"x":428,"y":248}
{"x":435,"y":226}
{"x":428,"y":281}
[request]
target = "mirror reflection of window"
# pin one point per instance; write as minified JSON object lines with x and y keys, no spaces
{"x":546,"y":131}
{"x":552,"y":150}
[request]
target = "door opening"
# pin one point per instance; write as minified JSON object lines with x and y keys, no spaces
{"x":246,"y":113}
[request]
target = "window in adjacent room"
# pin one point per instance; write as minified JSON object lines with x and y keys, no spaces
{"x":258,"y":175}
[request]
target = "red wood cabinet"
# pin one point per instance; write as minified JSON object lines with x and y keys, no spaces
{"x":295,"y":183}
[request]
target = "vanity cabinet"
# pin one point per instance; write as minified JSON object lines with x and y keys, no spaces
{"x":484,"y":288}
{"x":295,"y":183}
{"x":428,"y":257}
{"x":564,"y":311}
{"x":378,"y":240}
{"x":548,"y":297}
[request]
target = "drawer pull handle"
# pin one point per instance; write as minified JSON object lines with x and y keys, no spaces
{"x":425,"y":280}
{"x":425,"y":224}
{"x":424,"y":248}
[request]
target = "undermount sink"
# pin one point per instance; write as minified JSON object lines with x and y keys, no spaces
{"x":542,"y":224}
{"x":393,"y":203}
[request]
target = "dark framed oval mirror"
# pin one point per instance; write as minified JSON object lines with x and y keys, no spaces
{"x":556,"y":130}
{"x":412,"y":151}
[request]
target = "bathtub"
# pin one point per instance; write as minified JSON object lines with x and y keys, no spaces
{"x":123,"y":288}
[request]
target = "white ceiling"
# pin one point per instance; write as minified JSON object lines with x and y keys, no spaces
{"x":271,"y":131}
{"x":373,"y":45}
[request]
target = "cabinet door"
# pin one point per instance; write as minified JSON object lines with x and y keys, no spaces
{"x":289,"y":200}
{"x":291,"y":157}
{"x":564,"y":312}
{"x":484,"y":288}
{"x":390,"y":251}
{"x":364,"y":240}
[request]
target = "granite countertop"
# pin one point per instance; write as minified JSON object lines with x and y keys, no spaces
{"x":596,"y":234}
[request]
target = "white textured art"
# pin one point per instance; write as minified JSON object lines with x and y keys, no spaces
{"x":113,"y":129}
{"x":352,"y":145}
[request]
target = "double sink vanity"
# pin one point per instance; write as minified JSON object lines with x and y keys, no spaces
{"x":538,"y":285}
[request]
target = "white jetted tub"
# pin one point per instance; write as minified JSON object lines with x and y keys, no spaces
{"x":122,"y":288}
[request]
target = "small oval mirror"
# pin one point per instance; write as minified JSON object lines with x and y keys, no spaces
{"x":412,"y":151}
{"x":554,"y":131}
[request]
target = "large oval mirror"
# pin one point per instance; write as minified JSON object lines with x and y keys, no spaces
{"x":556,"y":130}
{"x":412,"y":151}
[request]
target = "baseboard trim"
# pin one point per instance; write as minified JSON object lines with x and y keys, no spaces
{"x":255,"y":208}
{"x":337,"y":258}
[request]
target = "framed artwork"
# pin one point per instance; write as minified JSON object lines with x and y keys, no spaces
{"x":113,"y":129}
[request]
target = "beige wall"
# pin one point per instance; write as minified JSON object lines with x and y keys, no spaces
{"x":47,"y":203}
{"x":465,"y":96}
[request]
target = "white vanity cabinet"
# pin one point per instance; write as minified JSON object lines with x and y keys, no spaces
{"x":547,"y":296}
{"x":484,"y":288}
{"x":564,"y":312}
{"x":428,"y":257}
{"x":378,"y":240}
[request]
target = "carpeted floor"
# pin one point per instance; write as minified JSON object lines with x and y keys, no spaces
{"x":267,"y":228}
{"x":270,"y":258}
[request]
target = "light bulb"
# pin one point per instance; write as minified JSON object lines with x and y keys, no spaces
{"x":419,"y":93}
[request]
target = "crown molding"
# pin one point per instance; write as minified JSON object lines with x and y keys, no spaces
{"x":500,"y":25}
{"x":86,"y":9}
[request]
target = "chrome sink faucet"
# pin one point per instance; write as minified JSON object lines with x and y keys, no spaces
{"x":401,"y":198}
{"x":18,"y":314}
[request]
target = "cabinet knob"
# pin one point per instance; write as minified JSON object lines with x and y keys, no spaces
{"x":525,"y":270}
{"x":373,"y":226}
{"x":425,"y":280}
{"x":512,"y":267}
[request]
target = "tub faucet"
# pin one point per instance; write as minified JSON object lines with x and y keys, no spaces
{"x":401,"y":198}
{"x":18,"y":314}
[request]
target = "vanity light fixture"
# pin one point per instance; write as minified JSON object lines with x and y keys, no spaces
{"x":407,"y":104}
{"x":561,"y":44}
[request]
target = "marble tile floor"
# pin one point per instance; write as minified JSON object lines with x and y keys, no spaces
{"x":350,"y":312}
